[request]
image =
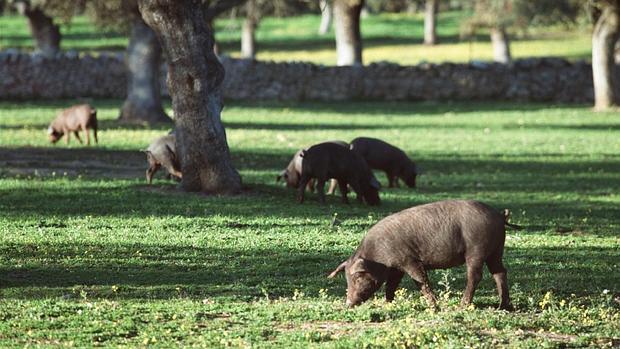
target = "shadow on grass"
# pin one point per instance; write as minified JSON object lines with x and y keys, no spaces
{"x":112,"y":184}
{"x":152,"y":271}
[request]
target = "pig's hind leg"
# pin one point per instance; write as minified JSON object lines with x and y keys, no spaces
{"x":393,"y":279}
{"x":497,"y":269}
{"x":342,"y":185}
{"x":474,"y":275}
{"x":320,"y":188}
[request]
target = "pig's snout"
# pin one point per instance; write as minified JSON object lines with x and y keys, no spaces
{"x":349,"y":303}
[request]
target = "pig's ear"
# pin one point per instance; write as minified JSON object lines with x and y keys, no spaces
{"x":338,"y":270}
{"x":375,"y":183}
{"x":359,"y":266}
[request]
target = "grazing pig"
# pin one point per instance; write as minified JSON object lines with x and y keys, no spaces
{"x":438,"y":235}
{"x":161,"y":152}
{"x":292,"y":172}
{"x":383,"y":156}
{"x":331,"y":160}
{"x":79,"y":117}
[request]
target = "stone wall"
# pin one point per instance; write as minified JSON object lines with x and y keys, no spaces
{"x":31,"y":76}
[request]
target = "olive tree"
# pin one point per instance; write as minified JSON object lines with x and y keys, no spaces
{"x":606,"y":18}
{"x":195,"y":77}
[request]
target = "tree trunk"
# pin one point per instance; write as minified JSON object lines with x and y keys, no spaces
{"x":604,"y":37}
{"x":195,"y":76}
{"x":430,"y":35}
{"x":348,"y":36}
{"x":501,"y":45}
{"x":45,"y":33}
{"x":326,"y":17}
{"x":143,"y":103}
{"x":248,"y":37}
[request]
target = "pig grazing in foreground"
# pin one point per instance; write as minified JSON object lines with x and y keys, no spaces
{"x":438,"y":235}
{"x":161,"y":152}
{"x":383,"y":156}
{"x":331,"y":160}
{"x":79,"y":117}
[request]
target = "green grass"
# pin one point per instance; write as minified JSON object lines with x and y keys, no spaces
{"x":89,"y":255}
{"x":387,"y":37}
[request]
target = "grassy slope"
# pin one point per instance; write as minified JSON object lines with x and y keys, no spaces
{"x":98,"y":259}
{"x":387,"y":37}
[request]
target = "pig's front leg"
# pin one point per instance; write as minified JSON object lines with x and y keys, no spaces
{"x":302,"y":188}
{"x":418,"y":274}
{"x":77,"y":135}
{"x":393,"y":279}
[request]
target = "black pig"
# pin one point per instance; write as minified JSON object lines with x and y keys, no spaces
{"x":331,"y":160}
{"x":438,"y":235}
{"x":383,"y":156}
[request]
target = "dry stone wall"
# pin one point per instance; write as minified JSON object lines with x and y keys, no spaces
{"x":70,"y":75}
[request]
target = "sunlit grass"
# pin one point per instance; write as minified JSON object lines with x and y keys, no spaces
{"x":95,"y":257}
{"x":387,"y":37}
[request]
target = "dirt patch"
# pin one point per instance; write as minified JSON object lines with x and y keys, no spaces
{"x":88,"y":162}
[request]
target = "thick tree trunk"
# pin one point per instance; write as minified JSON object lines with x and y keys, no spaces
{"x":501,"y":45}
{"x":326,"y":17}
{"x":248,"y":37}
{"x":348,"y":36}
{"x":143,"y":103}
{"x":430,"y":35}
{"x":604,"y":37}
{"x":195,"y":77}
{"x":45,"y":33}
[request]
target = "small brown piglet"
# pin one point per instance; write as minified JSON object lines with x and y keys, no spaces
{"x":383,"y":156}
{"x":331,"y":160}
{"x":162,"y":152}
{"x":79,"y":117}
{"x":438,"y":235}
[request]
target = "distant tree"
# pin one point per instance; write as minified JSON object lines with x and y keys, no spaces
{"x":45,"y":33}
{"x":195,"y":77}
{"x":348,"y":35}
{"x":248,"y":30}
{"x":430,"y":22}
{"x":326,"y":16}
{"x":606,"y":18}
{"x":501,"y":15}
{"x":255,"y":10}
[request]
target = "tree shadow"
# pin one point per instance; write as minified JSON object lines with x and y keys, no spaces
{"x":158,"y":271}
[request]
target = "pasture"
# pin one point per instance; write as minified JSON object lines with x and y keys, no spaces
{"x":386,"y":37}
{"x":92,"y":256}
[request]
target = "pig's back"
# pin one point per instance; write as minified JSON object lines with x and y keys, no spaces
{"x":158,"y":146}
{"x":440,"y":234}
{"x":379,"y":154}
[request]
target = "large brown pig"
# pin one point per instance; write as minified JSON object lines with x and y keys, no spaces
{"x":79,"y":117}
{"x":330,"y":160}
{"x":162,"y":152}
{"x":438,"y":235}
{"x":383,"y":156}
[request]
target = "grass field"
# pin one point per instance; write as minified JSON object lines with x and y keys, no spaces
{"x":387,"y":37}
{"x":90,"y":255}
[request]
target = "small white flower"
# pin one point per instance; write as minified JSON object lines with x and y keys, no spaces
{"x":605,"y":291}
